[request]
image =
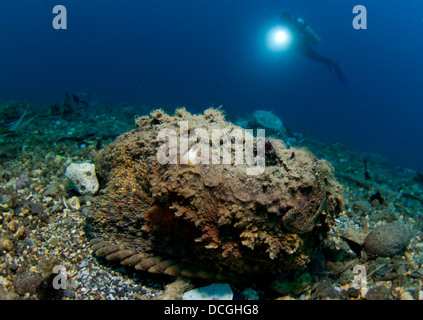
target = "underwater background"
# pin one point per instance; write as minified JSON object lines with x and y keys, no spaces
{"x":209,"y":53}
{"x":336,"y":212}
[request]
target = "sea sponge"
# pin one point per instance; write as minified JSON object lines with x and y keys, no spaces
{"x":83,"y":178}
{"x":212,"y":221}
{"x":266,"y":120}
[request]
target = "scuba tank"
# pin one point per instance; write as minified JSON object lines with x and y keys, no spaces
{"x":311,"y":35}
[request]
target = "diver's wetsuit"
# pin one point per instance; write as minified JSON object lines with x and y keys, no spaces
{"x":304,"y":37}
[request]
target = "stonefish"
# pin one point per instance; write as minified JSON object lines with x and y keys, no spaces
{"x":212,"y":221}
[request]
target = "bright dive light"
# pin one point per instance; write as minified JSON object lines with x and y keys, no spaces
{"x":278,"y":38}
{"x":281,"y":36}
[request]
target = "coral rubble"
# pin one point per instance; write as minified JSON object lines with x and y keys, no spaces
{"x":211,"y":221}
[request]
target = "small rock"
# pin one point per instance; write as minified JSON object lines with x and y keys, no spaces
{"x":387,"y":240}
{"x":13,"y":267}
{"x":36,"y":208}
{"x":346,"y":277}
{"x":3,"y":281}
{"x":13,"y":226}
{"x":215,"y":291}
{"x":37,"y":172}
{"x":325,"y":291}
{"x":83,"y":264}
{"x":51,"y":189}
{"x":29,"y":241}
{"x":7,"y":295}
{"x":379,"y":293}
{"x":406,"y":296}
{"x":176,"y":289}
{"x":54,"y":241}
{"x":20,"y":233}
{"x":74,"y":203}
{"x":354,"y":293}
{"x":83,"y":178}
{"x":27,"y":282}
{"x":69,"y":294}
{"x":363,"y":292}
{"x":285,"y":298}
{"x":5,"y":244}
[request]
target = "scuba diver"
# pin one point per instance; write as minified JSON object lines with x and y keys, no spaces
{"x":304,"y":37}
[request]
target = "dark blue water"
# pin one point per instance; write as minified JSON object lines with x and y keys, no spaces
{"x":196,"y":53}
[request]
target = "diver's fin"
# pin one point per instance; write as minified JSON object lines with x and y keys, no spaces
{"x":339,"y":75}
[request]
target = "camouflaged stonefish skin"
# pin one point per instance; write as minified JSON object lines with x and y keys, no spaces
{"x":211,"y":221}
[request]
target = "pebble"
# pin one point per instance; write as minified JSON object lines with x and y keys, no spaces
{"x":3,"y":281}
{"x":406,"y":296}
{"x":74,"y":203}
{"x":13,"y":225}
{"x":20,"y":233}
{"x":379,"y":292}
{"x":6,"y":244}
{"x":363,"y":292}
